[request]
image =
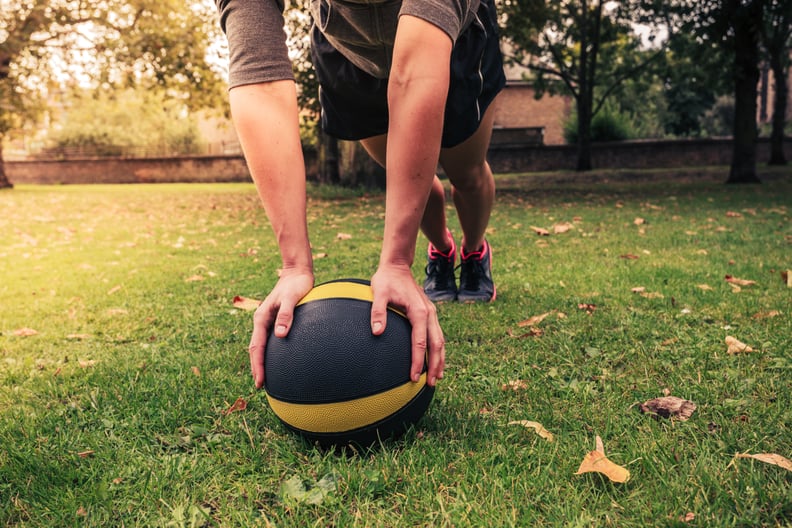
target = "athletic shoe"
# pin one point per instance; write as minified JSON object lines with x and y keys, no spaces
{"x":440,"y":283}
{"x":475,"y":276}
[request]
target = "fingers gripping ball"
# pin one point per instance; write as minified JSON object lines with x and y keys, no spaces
{"x":332,"y":381}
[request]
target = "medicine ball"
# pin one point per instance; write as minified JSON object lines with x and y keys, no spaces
{"x":334,"y":382}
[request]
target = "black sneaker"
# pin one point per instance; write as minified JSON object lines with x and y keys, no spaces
{"x":475,"y":276}
{"x":440,"y":283}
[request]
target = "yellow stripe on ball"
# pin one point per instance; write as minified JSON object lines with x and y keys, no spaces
{"x":346,"y":415}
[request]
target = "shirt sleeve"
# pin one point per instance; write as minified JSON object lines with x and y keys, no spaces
{"x":256,"y":41}
{"x":452,"y":16}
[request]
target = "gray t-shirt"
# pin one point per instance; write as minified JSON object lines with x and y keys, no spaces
{"x":362,"y":30}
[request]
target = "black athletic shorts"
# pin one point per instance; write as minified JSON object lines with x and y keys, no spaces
{"x":355,"y":104}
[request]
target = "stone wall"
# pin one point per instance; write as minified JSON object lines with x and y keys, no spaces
{"x":617,"y":155}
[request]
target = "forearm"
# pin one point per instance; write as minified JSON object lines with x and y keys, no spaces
{"x":417,"y":92}
{"x":266,"y":120}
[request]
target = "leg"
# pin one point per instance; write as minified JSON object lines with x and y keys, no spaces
{"x":473,"y":187}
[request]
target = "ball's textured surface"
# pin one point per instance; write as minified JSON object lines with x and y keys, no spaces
{"x":332,"y":381}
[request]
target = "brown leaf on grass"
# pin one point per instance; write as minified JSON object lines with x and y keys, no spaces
{"x":596,"y":461}
{"x":688,"y":517}
{"x":639,"y":221}
{"x":87,"y":363}
{"x":629,"y":256}
{"x":515,"y":385}
{"x":540,"y":231}
{"x":739,"y":282}
{"x":81,"y":512}
{"x":638,"y":289}
{"x":319,"y":256}
{"x":733,"y":214}
{"x":769,"y":458}
{"x":114,"y":289}
{"x":532,"y":332}
{"x":245,"y":303}
{"x":25,"y":332}
{"x":85,"y":454}
{"x":78,"y":337}
{"x":194,"y":278}
{"x":239,"y":405}
{"x":766,"y":315}
{"x":587,"y":307}
{"x":669,"y":407}
{"x":704,"y":287}
{"x":786,"y":276}
{"x":561,"y":228}
{"x":736,"y":346}
{"x":536,"y":426}
{"x":652,"y":295}
{"x":534,"y":320}
{"x":196,"y":371}
{"x":343,"y":236}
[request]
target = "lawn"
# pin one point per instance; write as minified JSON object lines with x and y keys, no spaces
{"x":122,"y":356}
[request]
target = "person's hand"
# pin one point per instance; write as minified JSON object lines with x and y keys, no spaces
{"x":276,"y":314}
{"x":395,"y":286}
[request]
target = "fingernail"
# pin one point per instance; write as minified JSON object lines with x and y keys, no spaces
{"x":376,"y":327}
{"x":432,"y":381}
{"x":416,"y":377}
{"x":280,"y":330}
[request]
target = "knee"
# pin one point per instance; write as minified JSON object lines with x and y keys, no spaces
{"x":473,"y":178}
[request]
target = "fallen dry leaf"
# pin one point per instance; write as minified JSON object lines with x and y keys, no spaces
{"x":736,"y":346}
{"x":540,"y":231}
{"x":769,"y":458}
{"x":688,"y":517}
{"x":515,"y":385}
{"x":194,"y":278}
{"x":629,"y":256}
{"x":196,"y":371}
{"x":587,"y":307}
{"x":319,"y":256}
{"x":733,"y":214}
{"x":534,"y":320}
{"x":343,"y":236}
{"x":638,"y":289}
{"x":786,"y":276}
{"x":25,"y":332}
{"x":85,"y":454}
{"x":239,"y":405}
{"x":561,"y":228}
{"x":652,"y":295}
{"x":739,"y":282}
{"x":532,"y":332}
{"x":536,"y":426}
{"x":705,"y":287}
{"x":87,"y":363}
{"x":639,"y":221}
{"x":766,"y":315}
{"x":78,"y":336}
{"x":113,"y":290}
{"x":245,"y":303}
{"x":596,"y":461}
{"x":669,"y":407}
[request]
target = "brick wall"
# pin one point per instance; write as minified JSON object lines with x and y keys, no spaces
{"x":626,"y":155}
{"x":516,"y":106}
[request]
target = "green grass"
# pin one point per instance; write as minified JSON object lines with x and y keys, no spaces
{"x":113,"y":413}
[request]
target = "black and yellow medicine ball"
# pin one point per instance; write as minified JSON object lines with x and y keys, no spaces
{"x":334,"y":382}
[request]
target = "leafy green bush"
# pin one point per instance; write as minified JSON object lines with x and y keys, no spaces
{"x":129,"y":121}
{"x":607,"y":125}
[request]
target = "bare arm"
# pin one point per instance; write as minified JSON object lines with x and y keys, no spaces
{"x":417,"y":92}
{"x":266,"y":120}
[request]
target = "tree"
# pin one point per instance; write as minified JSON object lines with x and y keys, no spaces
{"x":585,"y":48}
{"x":777,"y":40}
{"x":105,"y":44}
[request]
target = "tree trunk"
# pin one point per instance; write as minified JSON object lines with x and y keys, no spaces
{"x":746,"y":77}
{"x":779,"y":112}
{"x":328,"y":160}
{"x":4,"y":183}
{"x":358,"y":169}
